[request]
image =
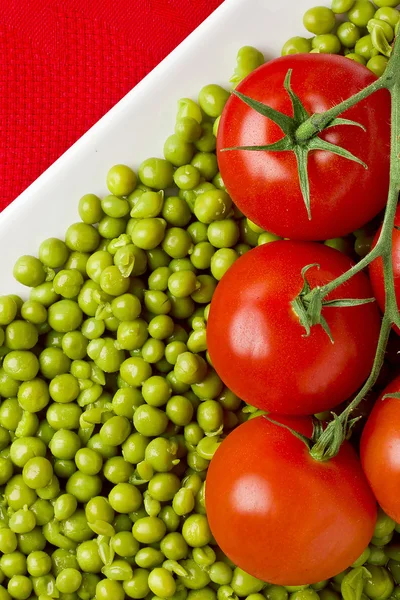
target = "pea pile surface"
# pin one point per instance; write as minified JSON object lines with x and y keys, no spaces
{"x":365,"y":36}
{"x":110,"y":410}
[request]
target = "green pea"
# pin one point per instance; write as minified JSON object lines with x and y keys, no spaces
{"x":176,"y":151}
{"x":162,"y":583}
{"x":212,"y":99}
{"x":121,"y":180}
{"x":247,"y":60}
{"x":188,"y":129}
{"x":89,"y":209}
{"x":156,"y":173}
{"x":149,"y":530}
{"x":150,"y":421}
{"x":361,"y":12}
{"x":379,"y":585}
{"x":107,"y":588}
{"x":388,"y":14}
{"x":221,"y":573}
{"x":377,"y":64}
{"x":348,"y":34}
{"x":342,"y":6}
{"x":148,"y":233}
{"x":319,"y":20}
{"x":327,"y":43}
{"x":196,"y":578}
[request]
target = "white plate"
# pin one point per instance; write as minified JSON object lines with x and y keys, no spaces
{"x":137,"y":126}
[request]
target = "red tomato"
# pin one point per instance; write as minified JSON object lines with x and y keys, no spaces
{"x":380,"y":451}
{"x":265,"y":185}
{"x":258,"y":345}
{"x":279,"y":514}
{"x":376,"y":268}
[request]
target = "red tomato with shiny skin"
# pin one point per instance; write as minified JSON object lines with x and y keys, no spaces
{"x":265,"y":185}
{"x":380,"y":451}
{"x":376,"y":268}
{"x":281,"y":515}
{"x":258,"y":345}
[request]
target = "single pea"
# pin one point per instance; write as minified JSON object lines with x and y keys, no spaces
{"x":196,"y":531}
{"x":244,"y":584}
{"x":121,"y":180}
{"x":107,"y":588}
{"x":89,"y":208}
{"x":206,"y":164}
{"x":379,"y":584}
{"x":135,"y":371}
{"x":149,"y":530}
{"x":44,"y":294}
{"x":148,"y":205}
{"x":388,"y":14}
{"x":319,"y":20}
{"x":196,"y":578}
{"x":382,"y":3}
{"x":384,"y":525}
{"x":77,"y":261}
{"x":8,"y":540}
{"x":361,"y":12}
{"x":156,"y":173}
{"x":342,"y":6}
{"x":125,"y":498}
{"x":81,"y":237}
{"x":223,"y":234}
{"x":148,"y":233}
{"x":115,"y":207}
{"x":63,"y":416}
{"x":111,"y":227}
{"x":29,"y":271}
{"x":188,"y":129}
{"x":207,"y":141}
{"x":163,"y":486}
{"x":176,"y":151}
{"x":19,"y":587}
{"x":277,"y":592}
{"x":327,"y":43}
{"x":34,"y":312}
{"x":8,"y":310}
{"x":87,"y":556}
{"x":247,"y":60}
{"x":348,"y":34}
{"x":150,"y":421}
{"x":179,"y":410}
{"x":37,"y":472}
{"x":162,"y":583}
{"x":83,"y":486}
{"x":377,"y":64}
{"x":212,"y":99}
{"x":296,"y":45}
{"x":64,"y":444}
{"x":213,"y":205}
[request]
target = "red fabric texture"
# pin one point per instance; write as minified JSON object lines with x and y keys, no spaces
{"x":64,"y":63}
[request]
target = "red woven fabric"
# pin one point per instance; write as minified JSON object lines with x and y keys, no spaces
{"x":64,"y":63}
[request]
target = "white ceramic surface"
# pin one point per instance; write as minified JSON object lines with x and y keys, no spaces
{"x":137,"y":126}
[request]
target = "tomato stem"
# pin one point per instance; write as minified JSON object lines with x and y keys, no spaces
{"x":329,"y":441}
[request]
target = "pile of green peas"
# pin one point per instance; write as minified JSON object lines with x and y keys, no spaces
{"x":365,"y":37}
{"x":110,"y":410}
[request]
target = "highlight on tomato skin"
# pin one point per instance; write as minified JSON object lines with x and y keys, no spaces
{"x":380,"y":450}
{"x":266,"y":358}
{"x":279,"y":514}
{"x":265,"y":185}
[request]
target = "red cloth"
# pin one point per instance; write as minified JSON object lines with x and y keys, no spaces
{"x":64,"y":63}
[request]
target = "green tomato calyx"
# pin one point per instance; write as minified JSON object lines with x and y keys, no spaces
{"x":294,"y":140}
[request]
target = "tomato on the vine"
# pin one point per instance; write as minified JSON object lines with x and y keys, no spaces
{"x":380,"y":450}
{"x":376,"y":268}
{"x":265,"y":184}
{"x":258,"y":345}
{"x":281,"y":515}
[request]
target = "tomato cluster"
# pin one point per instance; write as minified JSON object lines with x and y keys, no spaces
{"x":274,"y":509}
